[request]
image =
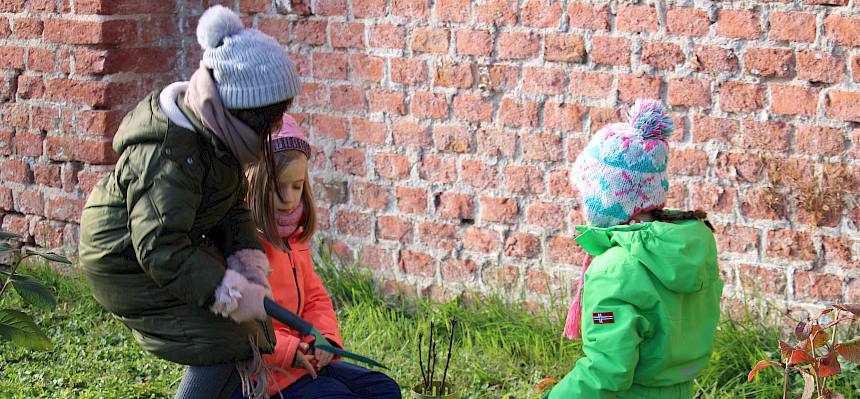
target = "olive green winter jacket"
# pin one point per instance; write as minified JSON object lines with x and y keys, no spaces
{"x":155,"y":234}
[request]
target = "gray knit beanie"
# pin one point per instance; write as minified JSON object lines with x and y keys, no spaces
{"x":250,"y":67}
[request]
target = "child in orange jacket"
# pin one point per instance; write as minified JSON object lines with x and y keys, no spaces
{"x":284,"y":210}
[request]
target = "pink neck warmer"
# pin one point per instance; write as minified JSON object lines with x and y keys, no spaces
{"x":287,"y":224}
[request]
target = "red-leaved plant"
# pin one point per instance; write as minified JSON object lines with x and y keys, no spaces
{"x":815,"y":354}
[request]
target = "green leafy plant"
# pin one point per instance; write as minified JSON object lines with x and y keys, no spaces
{"x":15,"y":325}
{"x":816,"y":354}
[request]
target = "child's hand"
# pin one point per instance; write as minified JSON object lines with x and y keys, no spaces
{"x":322,"y":357}
{"x":304,"y":361}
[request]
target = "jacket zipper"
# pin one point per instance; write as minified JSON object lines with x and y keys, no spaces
{"x":295,"y":277}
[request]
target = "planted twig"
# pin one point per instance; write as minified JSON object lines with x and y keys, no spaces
{"x":429,"y":351}
{"x":420,"y":358}
{"x":448,"y":360}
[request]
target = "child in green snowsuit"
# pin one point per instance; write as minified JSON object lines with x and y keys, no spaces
{"x":650,"y":286}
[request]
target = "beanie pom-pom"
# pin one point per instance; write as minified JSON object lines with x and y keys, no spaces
{"x":215,"y":24}
{"x":650,"y":120}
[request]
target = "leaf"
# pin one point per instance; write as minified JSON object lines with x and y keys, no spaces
{"x":834,"y":395}
{"x":5,"y":247}
{"x":762,"y":364}
{"x":5,"y":235}
{"x":819,"y":340}
{"x":786,"y":350}
{"x":545,"y":383}
{"x":17,"y":327}
{"x":33,"y":291}
{"x":825,"y":311}
{"x":850,"y":350}
{"x":808,"y":386}
{"x":853,"y":308}
{"x":51,"y":256}
{"x":802,"y":331}
{"x":800,"y":357}
{"x":828,"y":365}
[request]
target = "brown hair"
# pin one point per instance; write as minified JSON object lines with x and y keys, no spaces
{"x":263,"y":184}
{"x":664,"y":216}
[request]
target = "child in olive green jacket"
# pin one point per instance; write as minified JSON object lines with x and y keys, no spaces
{"x":650,"y":287}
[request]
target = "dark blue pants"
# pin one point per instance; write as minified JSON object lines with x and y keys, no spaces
{"x":340,"y":380}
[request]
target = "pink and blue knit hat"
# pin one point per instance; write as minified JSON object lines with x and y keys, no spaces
{"x":622,"y":171}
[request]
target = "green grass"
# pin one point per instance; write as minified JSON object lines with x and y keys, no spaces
{"x":502,"y":351}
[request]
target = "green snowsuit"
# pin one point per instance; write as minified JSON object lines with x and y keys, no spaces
{"x":650,"y":308}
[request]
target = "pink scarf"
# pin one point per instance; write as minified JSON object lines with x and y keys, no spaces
{"x":287,"y":224}
{"x":573,"y":326}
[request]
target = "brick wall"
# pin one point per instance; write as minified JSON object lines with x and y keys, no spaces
{"x":445,"y":128}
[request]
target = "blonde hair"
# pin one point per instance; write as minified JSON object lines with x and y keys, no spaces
{"x":262,"y":186}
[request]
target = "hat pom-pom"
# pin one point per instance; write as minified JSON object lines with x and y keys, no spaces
{"x":215,"y":24}
{"x":650,"y":120}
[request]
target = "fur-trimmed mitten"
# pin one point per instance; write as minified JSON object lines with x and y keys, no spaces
{"x":239,"y":299}
{"x":253,"y":264}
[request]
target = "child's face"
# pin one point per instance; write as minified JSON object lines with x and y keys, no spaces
{"x":291,"y":180}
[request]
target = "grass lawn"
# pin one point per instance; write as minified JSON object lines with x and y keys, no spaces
{"x":502,"y":351}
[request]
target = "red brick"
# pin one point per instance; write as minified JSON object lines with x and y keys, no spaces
{"x":518,"y":45}
{"x":794,"y":100}
{"x":844,"y":30}
{"x":330,"y":7}
{"x":88,"y":179}
{"x":817,"y":286}
{"x":409,"y":134}
{"x":636,"y":18}
{"x":770,"y":62}
{"x":30,"y":202}
{"x":564,"y":250}
{"x":11,"y":58}
{"x":790,"y":172}
{"x":479,"y":175}
{"x":610,"y":50}
{"x":17,"y":171}
{"x":737,"y":239}
{"x":387,"y":36}
{"x":15,"y":115}
{"x":347,"y":35}
{"x":451,"y":205}
{"x":437,"y":169}
{"x":826,"y":210}
{"x":279,"y":29}
{"x":502,"y":77}
{"x":27,"y":28}
{"x":706,"y":129}
{"x":48,"y":175}
{"x":96,"y":152}
{"x":842,"y":105}
{"x":541,"y":13}
{"x":714,"y":59}
{"x":852,"y":294}
{"x":590,"y":84}
{"x":768,"y":136}
{"x":349,"y":160}
{"x":855,"y":68}
{"x":408,"y":71}
{"x":541,"y":147}
{"x":762,"y":280}
{"x":48,"y":234}
{"x":438,"y":235}
{"x":66,"y":31}
{"x":764,"y":204}
{"x":6,"y":141}
{"x":563,"y":117}
{"x":356,"y":224}
{"x":837,"y":250}
{"x":474,"y":42}
{"x":589,"y":16}
{"x":688,"y":162}
{"x":12,"y":6}
{"x":29,"y":143}
{"x":689,"y":92}
{"x":524,"y":179}
{"x":522,"y":245}
{"x":453,"y":138}
{"x":632,"y":87}
{"x":564,"y":48}
{"x":544,"y":80}
{"x":392,"y":228}
{"x":430,"y":40}
{"x":505,"y":277}
{"x":738,"y":167}
{"x":366,"y":67}
{"x":369,"y":195}
{"x":30,"y":87}
{"x":472,"y":108}
{"x":86,"y":92}
{"x":17,"y":224}
{"x":497,"y":12}
{"x":246,"y":7}
{"x":826,"y":2}
{"x":822,"y":140}
{"x":5,"y":29}
{"x":391,"y":166}
{"x":841,"y":177}
{"x":687,"y":22}
{"x":714,"y":198}
{"x":348,"y":98}
{"x":411,"y":200}
{"x":459,"y":270}
{"x":387,"y":101}
{"x":819,"y":66}
{"x":429,"y":105}
{"x":419,"y":9}
{"x":792,"y":26}
{"x":369,"y":8}
{"x":314,"y":96}
{"x":330,"y":66}
{"x":331,"y":127}
{"x":601,"y":117}
{"x":44,"y":118}
{"x":545,"y":214}
{"x":122,"y":7}
{"x":741,"y":97}
{"x":662,"y":55}
{"x":454,"y":75}
{"x":518,"y":114}
{"x":495,"y":143}
{"x":500,"y":210}
{"x":65,"y":210}
{"x":739,"y":24}
{"x":476,"y":239}
{"x":108,"y":61}
{"x":307,"y":32}
{"x":453,"y":10}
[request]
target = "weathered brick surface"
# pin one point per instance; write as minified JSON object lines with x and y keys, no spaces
{"x":444,"y":130}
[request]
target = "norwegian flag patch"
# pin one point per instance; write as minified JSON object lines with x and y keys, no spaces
{"x":603,"y":317}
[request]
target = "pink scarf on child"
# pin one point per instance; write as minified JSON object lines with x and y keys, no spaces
{"x":287,"y":224}
{"x":573,"y":326}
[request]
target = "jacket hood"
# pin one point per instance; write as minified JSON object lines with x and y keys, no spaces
{"x":144,"y":123}
{"x":682,"y":255}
